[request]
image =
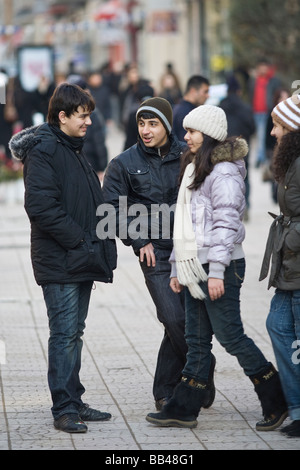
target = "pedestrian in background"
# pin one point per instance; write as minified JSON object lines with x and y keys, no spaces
{"x":241,"y":122}
{"x":262,"y":89}
{"x":196,"y":93}
{"x":95,"y":148}
{"x":62,"y":194}
{"x":169,"y":87}
{"x":267,"y":170}
{"x":147,"y":174}
{"x":283,"y":246}
{"x":131,"y":129}
{"x":208,"y":251}
{"x":101,"y":94}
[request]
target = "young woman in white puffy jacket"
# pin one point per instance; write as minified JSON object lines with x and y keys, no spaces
{"x":208,"y":260}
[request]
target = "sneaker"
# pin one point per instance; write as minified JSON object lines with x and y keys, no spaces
{"x":70,"y":423}
{"x":89,"y":414}
{"x":271,"y":422}
{"x":292,"y":430}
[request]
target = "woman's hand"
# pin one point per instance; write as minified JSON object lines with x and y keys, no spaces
{"x":175,"y":286}
{"x":215,"y":288}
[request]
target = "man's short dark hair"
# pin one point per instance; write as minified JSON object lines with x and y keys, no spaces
{"x":68,"y":98}
{"x":196,"y":81}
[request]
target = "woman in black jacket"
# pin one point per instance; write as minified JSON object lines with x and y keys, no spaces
{"x":283,"y":322}
{"x":62,"y":193}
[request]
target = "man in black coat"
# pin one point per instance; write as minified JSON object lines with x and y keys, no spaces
{"x":196,"y":93}
{"x":144,"y":179}
{"x":62,"y":193}
{"x":241,"y":122}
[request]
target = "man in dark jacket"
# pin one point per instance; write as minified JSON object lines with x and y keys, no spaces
{"x":241,"y":122}
{"x":146,"y":176}
{"x":62,"y":193}
{"x":196,"y":93}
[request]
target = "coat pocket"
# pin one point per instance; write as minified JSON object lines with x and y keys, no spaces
{"x":96,"y":256}
{"x":292,"y":239}
{"x":140,"y":179}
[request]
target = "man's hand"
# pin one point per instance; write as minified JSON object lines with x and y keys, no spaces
{"x":175,"y":286}
{"x":148,"y":252}
{"x":215,"y":288}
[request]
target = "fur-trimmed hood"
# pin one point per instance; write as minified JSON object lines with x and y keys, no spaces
{"x":22,"y":142}
{"x":230,"y":151}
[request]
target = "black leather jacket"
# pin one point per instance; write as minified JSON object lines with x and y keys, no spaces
{"x":142,"y":177}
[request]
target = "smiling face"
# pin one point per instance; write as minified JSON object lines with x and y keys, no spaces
{"x":76,"y":124}
{"x":194,"y":139}
{"x":152,"y":132}
{"x":278,"y":131}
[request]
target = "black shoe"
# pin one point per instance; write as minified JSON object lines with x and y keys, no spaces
{"x":161,"y":419}
{"x":210,"y":390}
{"x":272,"y":422}
{"x":159,"y":404}
{"x":292,"y":430}
{"x":89,"y":414}
{"x":70,"y":423}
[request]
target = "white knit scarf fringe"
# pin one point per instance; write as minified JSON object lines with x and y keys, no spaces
{"x":189,"y":269}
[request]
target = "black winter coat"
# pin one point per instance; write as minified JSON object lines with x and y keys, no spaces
{"x":239,"y":117}
{"x":62,"y":193}
{"x":142,"y":176}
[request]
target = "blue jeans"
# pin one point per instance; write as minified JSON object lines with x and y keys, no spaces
{"x":170,"y":312}
{"x":67,"y":307}
{"x":261,"y":129}
{"x":283,"y":324}
{"x":222,"y":318}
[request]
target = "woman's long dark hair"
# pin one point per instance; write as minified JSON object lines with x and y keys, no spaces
{"x":202,"y":159}
{"x":285,"y":154}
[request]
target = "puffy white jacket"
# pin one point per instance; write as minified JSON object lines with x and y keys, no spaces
{"x":217,"y":208}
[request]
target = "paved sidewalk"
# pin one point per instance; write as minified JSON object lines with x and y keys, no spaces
{"x":120,"y":346}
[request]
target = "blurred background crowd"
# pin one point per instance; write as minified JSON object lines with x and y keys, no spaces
{"x":126,"y":50}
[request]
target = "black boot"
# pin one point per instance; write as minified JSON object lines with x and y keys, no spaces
{"x":210,"y":390}
{"x":183,"y":407}
{"x":292,"y":430}
{"x":268,"y":388}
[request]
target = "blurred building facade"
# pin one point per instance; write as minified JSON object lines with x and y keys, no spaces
{"x":192,"y":35}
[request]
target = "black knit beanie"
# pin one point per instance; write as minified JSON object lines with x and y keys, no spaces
{"x":161,"y":108}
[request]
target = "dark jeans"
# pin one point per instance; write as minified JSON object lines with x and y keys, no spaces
{"x":170,"y":312}
{"x":283,"y":324}
{"x":222,"y":318}
{"x":67,"y":307}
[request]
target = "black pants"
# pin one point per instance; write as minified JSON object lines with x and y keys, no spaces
{"x":170,"y":312}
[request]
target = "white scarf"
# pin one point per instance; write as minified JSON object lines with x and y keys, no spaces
{"x":189,"y":269}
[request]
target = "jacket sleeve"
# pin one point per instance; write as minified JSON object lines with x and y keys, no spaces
{"x":43,"y":201}
{"x":227,"y":198}
{"x":116,"y":191}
